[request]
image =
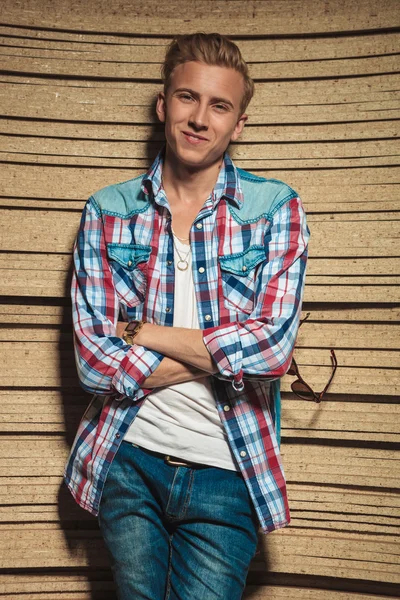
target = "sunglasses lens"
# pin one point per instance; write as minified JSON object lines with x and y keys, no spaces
{"x":302,"y":390}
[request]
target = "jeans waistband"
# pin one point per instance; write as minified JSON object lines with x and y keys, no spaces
{"x":169,"y":459}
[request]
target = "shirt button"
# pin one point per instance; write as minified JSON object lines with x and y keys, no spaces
{"x":129,"y":263}
{"x":168,"y":309}
{"x":208,"y":317}
{"x":227,"y":407}
{"x":169,"y":262}
{"x":199,"y":225}
{"x":201,"y":270}
{"x":243,"y":453}
{"x":244,"y":268}
{"x":118,"y":436}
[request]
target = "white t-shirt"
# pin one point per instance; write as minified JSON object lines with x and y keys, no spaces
{"x":182,"y":420}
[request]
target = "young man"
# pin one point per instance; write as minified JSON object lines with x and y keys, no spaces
{"x":178,"y":453}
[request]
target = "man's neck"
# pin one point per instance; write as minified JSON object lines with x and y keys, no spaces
{"x":186,"y":186}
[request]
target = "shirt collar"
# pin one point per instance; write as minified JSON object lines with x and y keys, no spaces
{"x":227,"y":184}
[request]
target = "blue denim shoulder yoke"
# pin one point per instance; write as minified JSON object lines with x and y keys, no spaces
{"x":262,"y":198}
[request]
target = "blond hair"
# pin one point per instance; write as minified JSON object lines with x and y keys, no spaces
{"x":211,"y":49}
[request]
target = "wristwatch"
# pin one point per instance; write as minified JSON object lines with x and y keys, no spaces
{"x":131,"y":331}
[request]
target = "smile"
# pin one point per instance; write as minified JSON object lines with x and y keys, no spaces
{"x":192,"y":139}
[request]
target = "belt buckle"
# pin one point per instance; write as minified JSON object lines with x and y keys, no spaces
{"x":175,"y":463}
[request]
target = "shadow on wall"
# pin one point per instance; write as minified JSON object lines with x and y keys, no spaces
{"x":88,"y":556}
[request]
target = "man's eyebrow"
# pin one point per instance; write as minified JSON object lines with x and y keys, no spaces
{"x":197,"y":95}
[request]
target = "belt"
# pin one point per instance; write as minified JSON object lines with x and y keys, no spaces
{"x":174,"y":461}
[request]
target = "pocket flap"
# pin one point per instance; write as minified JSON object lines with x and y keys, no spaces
{"x":129,"y":255}
{"x":243,"y":262}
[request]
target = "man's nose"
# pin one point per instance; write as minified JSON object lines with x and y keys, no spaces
{"x":199,"y":118}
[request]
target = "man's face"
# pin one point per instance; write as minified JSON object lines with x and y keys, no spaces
{"x":201,"y":112}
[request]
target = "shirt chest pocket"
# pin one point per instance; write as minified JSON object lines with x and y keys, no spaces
{"x":239,"y":278}
{"x":129,"y":264}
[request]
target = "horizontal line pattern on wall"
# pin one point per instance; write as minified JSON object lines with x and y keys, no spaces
{"x":77,"y":90}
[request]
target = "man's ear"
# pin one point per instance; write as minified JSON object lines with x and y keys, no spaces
{"x":161,"y":107}
{"x":239,"y":127}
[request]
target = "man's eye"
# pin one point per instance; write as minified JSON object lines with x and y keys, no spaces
{"x":185,"y":96}
{"x":221,"y":107}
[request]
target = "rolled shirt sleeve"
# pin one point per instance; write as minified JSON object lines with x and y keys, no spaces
{"x":105,"y":363}
{"x":262,"y":345}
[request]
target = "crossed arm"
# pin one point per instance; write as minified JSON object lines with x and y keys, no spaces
{"x":186,"y":357}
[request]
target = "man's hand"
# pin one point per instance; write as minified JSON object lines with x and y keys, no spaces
{"x":121,"y":326}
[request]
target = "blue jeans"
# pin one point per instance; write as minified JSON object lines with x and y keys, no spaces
{"x":176,"y":533}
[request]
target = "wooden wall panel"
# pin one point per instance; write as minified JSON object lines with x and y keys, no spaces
{"x":250,"y":18}
{"x":77,"y":87}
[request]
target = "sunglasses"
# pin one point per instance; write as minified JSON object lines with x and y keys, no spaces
{"x":300,"y":387}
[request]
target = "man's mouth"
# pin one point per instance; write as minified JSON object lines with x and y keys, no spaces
{"x":193,"y":138}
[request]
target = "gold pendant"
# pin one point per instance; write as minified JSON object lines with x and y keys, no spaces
{"x":184,"y":263}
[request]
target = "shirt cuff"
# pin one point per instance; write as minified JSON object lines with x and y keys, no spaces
{"x":138,"y":364}
{"x":224,"y":345}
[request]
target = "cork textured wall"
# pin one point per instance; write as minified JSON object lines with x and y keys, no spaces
{"x":78,"y":85}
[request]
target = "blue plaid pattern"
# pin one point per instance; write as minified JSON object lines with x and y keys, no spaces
{"x":249,"y":301}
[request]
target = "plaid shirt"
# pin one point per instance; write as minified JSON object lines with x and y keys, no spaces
{"x":249,"y":248}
